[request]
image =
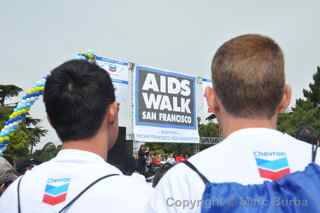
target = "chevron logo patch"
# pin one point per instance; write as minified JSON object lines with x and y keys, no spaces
{"x":56,"y":191}
{"x":272,"y":165}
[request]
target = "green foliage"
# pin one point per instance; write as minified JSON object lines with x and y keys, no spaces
{"x":209,"y":130}
{"x":301,"y":115}
{"x":313,"y":95}
{"x":24,"y":138}
{"x":4,"y":114}
{"x":19,"y":146}
{"x":27,"y":135}
{"x":8,"y":91}
{"x":35,"y":133}
{"x":306,"y":111}
{"x":49,"y":151}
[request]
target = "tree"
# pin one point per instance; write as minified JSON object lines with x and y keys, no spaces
{"x":29,"y":132}
{"x":35,"y":133}
{"x":19,"y":146}
{"x":209,"y":130}
{"x":306,"y":110}
{"x":313,"y":95}
{"x":8,"y":91}
{"x":48,"y":151}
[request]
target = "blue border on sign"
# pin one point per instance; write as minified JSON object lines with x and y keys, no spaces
{"x":172,"y":126}
{"x":119,"y":81}
{"x":206,"y":80}
{"x":111,"y":60}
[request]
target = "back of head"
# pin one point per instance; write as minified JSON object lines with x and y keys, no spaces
{"x":248,"y":75}
{"x":77,"y":95}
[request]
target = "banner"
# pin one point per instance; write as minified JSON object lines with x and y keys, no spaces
{"x":119,"y":73}
{"x":164,"y":106}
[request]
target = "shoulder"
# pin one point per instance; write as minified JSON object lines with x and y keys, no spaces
{"x":136,"y":179}
{"x":179,"y":180}
{"x":8,"y":200}
{"x":298,"y":146}
{"x":213,"y":155}
{"x":123,"y":193}
{"x":180,"y":173}
{"x":296,"y":141}
{"x":134,"y":185}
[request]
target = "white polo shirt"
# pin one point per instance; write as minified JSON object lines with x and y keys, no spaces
{"x":51,"y":185}
{"x":247,"y":156}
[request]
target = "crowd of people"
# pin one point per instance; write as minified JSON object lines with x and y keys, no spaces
{"x":248,"y":94}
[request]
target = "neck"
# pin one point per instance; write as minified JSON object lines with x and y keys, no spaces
{"x":231,"y":124}
{"x":97,"y":145}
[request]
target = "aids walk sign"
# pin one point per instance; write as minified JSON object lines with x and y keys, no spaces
{"x":164,"y":106}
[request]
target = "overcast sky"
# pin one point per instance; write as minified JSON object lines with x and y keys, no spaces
{"x":182,"y":35}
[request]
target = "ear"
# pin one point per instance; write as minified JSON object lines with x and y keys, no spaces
{"x":210,"y":95}
{"x":286,"y":98}
{"x":49,"y":120}
{"x":112,"y":113}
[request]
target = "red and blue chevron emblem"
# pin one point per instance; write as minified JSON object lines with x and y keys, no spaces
{"x":56,"y":191}
{"x":272,"y":165}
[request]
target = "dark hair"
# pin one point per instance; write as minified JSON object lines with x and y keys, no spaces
{"x":248,"y":75}
{"x":77,"y":95}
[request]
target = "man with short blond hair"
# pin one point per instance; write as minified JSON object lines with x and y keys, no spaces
{"x":248,"y":93}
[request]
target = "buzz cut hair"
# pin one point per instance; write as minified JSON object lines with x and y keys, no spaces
{"x":248,"y":76}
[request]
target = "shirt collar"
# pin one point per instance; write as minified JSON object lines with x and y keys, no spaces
{"x":76,"y":154}
{"x":80,"y":156}
{"x":254,"y":131}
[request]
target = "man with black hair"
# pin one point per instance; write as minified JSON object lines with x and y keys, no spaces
{"x":81,"y":107}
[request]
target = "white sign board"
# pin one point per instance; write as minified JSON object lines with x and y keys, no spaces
{"x":164,"y":106}
{"x":119,"y":73}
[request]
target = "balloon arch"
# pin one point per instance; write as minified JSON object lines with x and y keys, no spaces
{"x":20,"y":112}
